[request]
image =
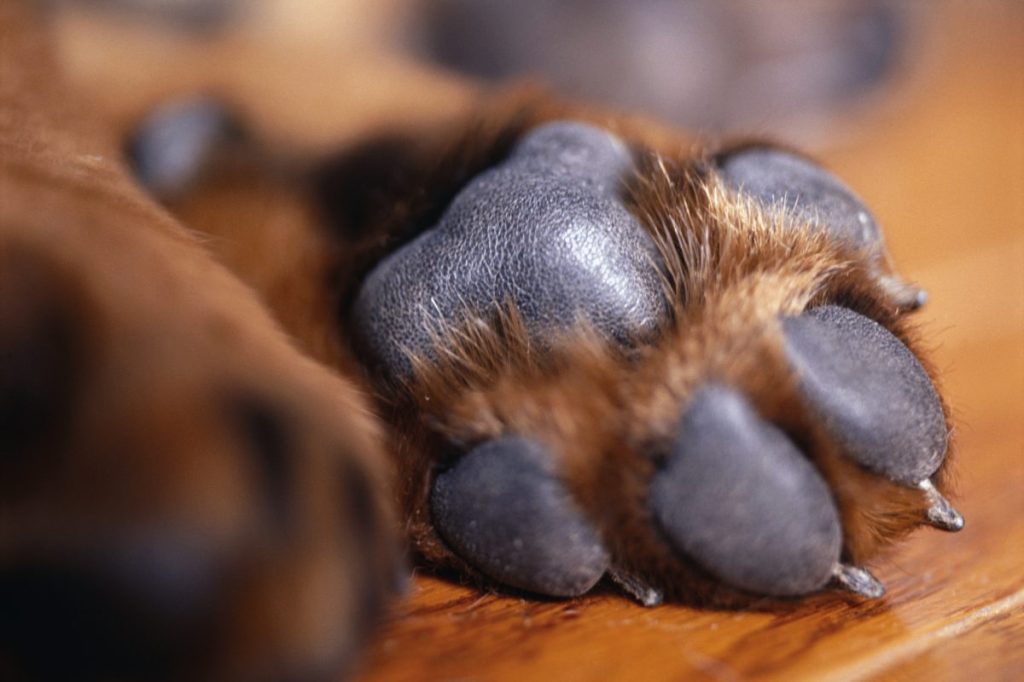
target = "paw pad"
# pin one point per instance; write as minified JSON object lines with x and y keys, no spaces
{"x":811,"y":195}
{"x":502,"y":508}
{"x":741,"y":500}
{"x":546,"y":231}
{"x":805,"y":190}
{"x":869,"y":391}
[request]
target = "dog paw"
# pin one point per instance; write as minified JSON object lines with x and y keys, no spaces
{"x":693,"y":375}
{"x":181,"y":494}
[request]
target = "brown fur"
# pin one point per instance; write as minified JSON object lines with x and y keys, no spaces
{"x":164,"y":346}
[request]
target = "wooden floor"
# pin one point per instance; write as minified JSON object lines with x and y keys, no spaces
{"x":943,"y":167}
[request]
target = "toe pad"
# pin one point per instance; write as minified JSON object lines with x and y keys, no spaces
{"x":738,"y":498}
{"x":809,"y":192}
{"x":502,"y":509}
{"x":869,"y":390}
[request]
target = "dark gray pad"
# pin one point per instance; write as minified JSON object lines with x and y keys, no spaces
{"x":870,"y":392}
{"x":546,"y":230}
{"x":174,"y":144}
{"x":739,"y":499}
{"x":502,"y":509}
{"x":807,"y":191}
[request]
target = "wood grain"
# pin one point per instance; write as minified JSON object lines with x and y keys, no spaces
{"x":944,"y":171}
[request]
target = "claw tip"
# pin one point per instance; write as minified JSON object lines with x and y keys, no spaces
{"x":646,"y":594}
{"x":858,"y":581}
{"x":941,"y":513}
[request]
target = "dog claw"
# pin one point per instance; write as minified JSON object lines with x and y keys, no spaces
{"x":908,"y":297}
{"x":858,"y":580}
{"x":941,"y":513}
{"x":643,"y":593}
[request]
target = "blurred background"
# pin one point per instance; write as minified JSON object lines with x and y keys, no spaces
{"x":793,"y":68}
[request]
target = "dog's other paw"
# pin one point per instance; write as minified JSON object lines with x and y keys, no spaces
{"x":183,"y":495}
{"x":180,"y":492}
{"x":693,"y":375}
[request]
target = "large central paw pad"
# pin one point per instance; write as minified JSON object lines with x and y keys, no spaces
{"x":765,"y":430}
{"x":546,"y":231}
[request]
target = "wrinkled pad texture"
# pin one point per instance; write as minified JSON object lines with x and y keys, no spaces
{"x":546,"y":230}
